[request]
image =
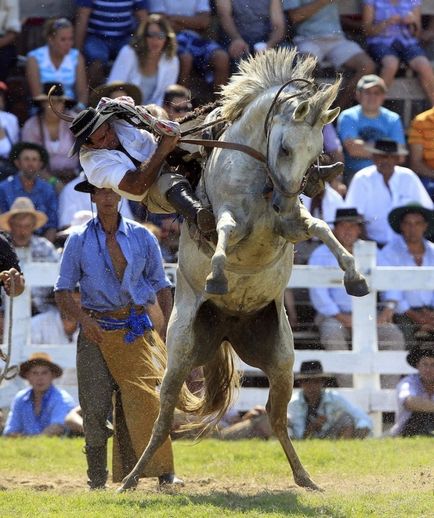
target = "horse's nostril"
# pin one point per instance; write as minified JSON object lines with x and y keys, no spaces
{"x":276,"y":208}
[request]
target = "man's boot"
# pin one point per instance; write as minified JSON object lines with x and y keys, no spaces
{"x":318,"y":175}
{"x":186,"y":203}
{"x":97,"y":472}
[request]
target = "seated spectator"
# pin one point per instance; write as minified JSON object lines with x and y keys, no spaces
{"x":58,"y":62}
{"x":9,"y":135}
{"x":376,"y":190}
{"x":81,"y":217}
{"x":31,"y":160}
{"x":52,"y":133}
{"x":334,"y":306}
{"x":416,"y":395}
{"x":74,"y":422}
{"x":177,"y":101}
{"x":253,"y":424}
{"x":392,"y":33}
{"x":414,"y":309}
{"x":318,"y":31}
{"x":40,"y":409}
{"x":10,"y":26}
{"x":322,"y":413}
{"x":250,"y":26}
{"x":149,"y":61}
{"x":21,"y":221}
{"x":190,"y":19}
{"x":114,"y":90}
{"x":366,"y":122}
{"x":421,"y":143}
{"x":103,"y":27}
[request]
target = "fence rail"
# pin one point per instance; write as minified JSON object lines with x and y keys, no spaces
{"x":364,"y":362}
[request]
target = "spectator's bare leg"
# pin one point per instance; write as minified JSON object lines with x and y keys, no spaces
{"x":359,"y":65}
{"x":389,"y":68}
{"x":424,"y":70}
{"x":220,"y":64}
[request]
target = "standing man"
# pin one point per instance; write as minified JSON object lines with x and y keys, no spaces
{"x":125,"y":300}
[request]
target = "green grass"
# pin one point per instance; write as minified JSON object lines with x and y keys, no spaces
{"x":372,"y":478}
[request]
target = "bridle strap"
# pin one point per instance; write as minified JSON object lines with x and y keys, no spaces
{"x":226,"y":145}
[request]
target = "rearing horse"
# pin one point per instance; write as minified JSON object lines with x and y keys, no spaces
{"x":239,"y":305}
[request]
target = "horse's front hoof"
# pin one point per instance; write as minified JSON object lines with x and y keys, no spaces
{"x":216,"y":286}
{"x":128,"y":483}
{"x":357,"y":288}
{"x":306,"y":482}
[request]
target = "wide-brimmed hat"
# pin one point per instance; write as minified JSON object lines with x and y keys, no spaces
{"x":420,"y":351}
{"x":22,"y":205}
{"x":40,"y":359}
{"x":58,"y":93}
{"x":396,"y":215}
{"x":106,"y":90}
{"x":370,"y":80}
{"x":348,"y":214}
{"x":80,"y":218}
{"x":85,"y":186}
{"x":86,"y":123}
{"x":312,"y":369}
{"x":386,"y":146}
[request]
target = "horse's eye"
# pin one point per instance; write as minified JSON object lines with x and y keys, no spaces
{"x":285,"y":151}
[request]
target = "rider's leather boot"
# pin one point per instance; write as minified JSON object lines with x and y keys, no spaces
{"x":186,"y":203}
{"x":318,"y":175}
{"x":97,"y":466}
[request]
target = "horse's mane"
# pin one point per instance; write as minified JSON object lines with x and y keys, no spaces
{"x":262,"y":71}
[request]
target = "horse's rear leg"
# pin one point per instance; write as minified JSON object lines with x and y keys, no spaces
{"x":169,"y":393}
{"x":216,"y":282}
{"x":281,"y":382}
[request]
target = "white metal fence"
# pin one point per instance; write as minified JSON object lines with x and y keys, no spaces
{"x":364,"y":362}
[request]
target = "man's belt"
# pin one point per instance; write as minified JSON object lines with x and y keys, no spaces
{"x":135,"y":324}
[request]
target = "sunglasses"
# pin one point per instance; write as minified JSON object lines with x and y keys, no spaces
{"x":159,"y":35}
{"x":180,"y":109}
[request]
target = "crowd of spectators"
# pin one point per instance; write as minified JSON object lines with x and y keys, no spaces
{"x":175,"y":55}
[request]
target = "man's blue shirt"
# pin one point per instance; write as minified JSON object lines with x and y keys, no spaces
{"x":43,"y":196}
{"x":86,"y":260}
{"x":56,"y":403}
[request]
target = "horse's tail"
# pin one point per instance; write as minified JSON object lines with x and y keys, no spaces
{"x":221,"y":380}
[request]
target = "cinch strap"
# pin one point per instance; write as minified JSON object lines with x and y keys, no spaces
{"x":137,"y":325}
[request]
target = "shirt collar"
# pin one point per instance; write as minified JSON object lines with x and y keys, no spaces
{"x":121,"y":226}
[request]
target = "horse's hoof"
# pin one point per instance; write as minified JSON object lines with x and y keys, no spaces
{"x":357,"y":288}
{"x":307,"y":483}
{"x":216,"y":286}
{"x":128,"y":483}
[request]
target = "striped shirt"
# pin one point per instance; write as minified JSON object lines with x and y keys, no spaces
{"x":112,"y":18}
{"x":422,"y":132}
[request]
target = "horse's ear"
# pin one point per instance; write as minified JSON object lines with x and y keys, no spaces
{"x":300,"y":113}
{"x":330,"y":115}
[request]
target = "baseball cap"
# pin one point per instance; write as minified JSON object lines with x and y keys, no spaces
{"x":369,"y":81}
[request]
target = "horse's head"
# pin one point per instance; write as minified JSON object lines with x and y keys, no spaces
{"x":294,"y":139}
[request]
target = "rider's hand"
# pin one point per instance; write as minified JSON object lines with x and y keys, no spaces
{"x":238,"y":48}
{"x":91,"y":330}
{"x":168,"y":144}
{"x":18,"y":279}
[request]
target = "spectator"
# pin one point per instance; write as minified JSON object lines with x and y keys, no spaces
{"x":118,"y":340}
{"x":177,"y":101}
{"x":74,"y":422}
{"x":103,"y":27}
{"x":116,"y":89}
{"x":80,"y":218}
{"x":58,"y":62}
{"x":30,"y":160}
{"x":21,"y":221}
{"x":149,"y":61}
{"x":334,"y":306}
{"x":318,"y":31}
{"x":421,"y":146}
{"x":52,"y":133}
{"x":366,"y":122}
{"x":9,"y":135}
{"x":409,"y":247}
{"x":393,"y":30}
{"x":322,"y":413}
{"x":416,"y":395}
{"x":250,"y":26}
{"x":190,"y":19}
{"x":40,"y":409}
{"x":377,"y":189}
{"x":10,"y":26}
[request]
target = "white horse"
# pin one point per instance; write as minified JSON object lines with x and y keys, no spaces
{"x":239,"y":305}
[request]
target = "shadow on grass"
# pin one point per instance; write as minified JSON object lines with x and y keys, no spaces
{"x":262,"y":503}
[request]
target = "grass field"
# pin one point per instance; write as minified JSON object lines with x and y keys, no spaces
{"x":373,"y":478}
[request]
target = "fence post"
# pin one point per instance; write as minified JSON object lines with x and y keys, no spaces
{"x":364,"y":332}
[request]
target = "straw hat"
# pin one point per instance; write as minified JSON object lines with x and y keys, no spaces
{"x":58,"y":93}
{"x":40,"y":359}
{"x":22,"y":205}
{"x":80,"y":218}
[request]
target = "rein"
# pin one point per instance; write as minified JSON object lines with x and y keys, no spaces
{"x":9,"y":373}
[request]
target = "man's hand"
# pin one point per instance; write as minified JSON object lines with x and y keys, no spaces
{"x":18,"y":281}
{"x":168,"y":144}
{"x":345,"y":319}
{"x":238,"y":48}
{"x":91,"y":329}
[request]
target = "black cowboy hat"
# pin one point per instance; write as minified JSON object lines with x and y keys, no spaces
{"x":40,"y":359}
{"x":386,"y":146}
{"x":82,"y":127}
{"x":58,"y":92}
{"x":85,"y":186}
{"x":396,"y":215}
{"x":348,"y":214}
{"x":312,"y":369}
{"x":420,"y":351}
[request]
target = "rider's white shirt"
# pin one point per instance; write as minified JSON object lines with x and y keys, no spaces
{"x":105,"y":168}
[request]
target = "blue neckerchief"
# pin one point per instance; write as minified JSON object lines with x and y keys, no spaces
{"x":136,"y":324}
